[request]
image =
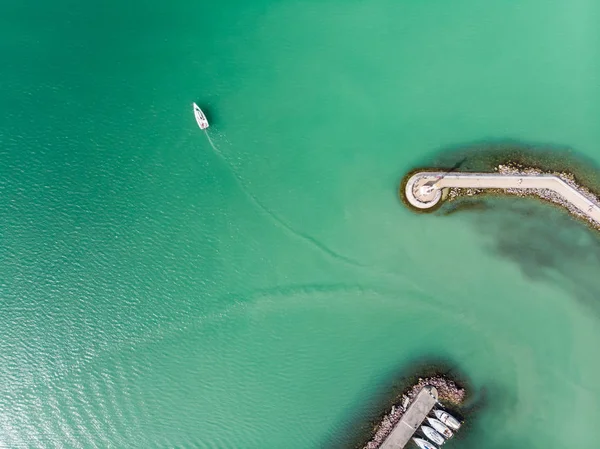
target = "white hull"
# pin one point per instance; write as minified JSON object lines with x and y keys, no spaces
{"x":447,"y":419}
{"x":433,"y":435}
{"x":424,"y":444}
{"x":440,"y":427}
{"x":200,"y":117}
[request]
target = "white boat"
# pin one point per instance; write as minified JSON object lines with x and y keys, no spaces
{"x":424,"y":444}
{"x":200,"y":117}
{"x":433,"y":435}
{"x":447,"y":419}
{"x":440,"y":427}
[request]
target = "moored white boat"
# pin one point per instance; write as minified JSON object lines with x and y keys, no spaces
{"x":200,"y":117}
{"x":433,"y":435}
{"x":447,"y":419}
{"x":440,"y":427}
{"x":424,"y":444}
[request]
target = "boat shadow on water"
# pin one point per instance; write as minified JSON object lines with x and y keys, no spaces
{"x":211,"y":113}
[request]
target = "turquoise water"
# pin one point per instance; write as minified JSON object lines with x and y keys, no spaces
{"x":262,"y":293}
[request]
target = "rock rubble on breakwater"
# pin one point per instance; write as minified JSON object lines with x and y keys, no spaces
{"x":448,"y":392}
{"x":544,"y":194}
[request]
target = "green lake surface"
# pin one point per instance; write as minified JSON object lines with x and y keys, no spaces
{"x":266,"y":290}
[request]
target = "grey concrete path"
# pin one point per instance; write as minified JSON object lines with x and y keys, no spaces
{"x":412,"y":419}
{"x":423,"y":189}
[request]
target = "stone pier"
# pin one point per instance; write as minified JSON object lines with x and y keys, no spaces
{"x":424,"y":189}
{"x":412,"y":419}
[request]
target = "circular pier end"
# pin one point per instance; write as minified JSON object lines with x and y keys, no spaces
{"x":420,"y":192}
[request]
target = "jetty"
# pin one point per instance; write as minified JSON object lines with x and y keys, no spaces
{"x":424,"y":190}
{"x":412,"y":419}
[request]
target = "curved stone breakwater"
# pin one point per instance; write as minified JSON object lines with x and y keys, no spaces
{"x":425,"y":190}
{"x":553,"y":197}
{"x":448,"y":392}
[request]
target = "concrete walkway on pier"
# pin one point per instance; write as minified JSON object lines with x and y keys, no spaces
{"x":412,"y":419}
{"x":423,"y":189}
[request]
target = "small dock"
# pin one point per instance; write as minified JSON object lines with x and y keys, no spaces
{"x":412,"y":419}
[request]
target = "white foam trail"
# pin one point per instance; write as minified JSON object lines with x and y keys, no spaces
{"x":276,"y":219}
{"x":211,"y":143}
{"x":280,"y":222}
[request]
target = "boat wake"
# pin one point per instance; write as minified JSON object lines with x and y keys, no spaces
{"x":282,"y":224}
{"x":279,"y":221}
{"x":212,"y":143}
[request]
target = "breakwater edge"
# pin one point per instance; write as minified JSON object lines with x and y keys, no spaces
{"x":426,"y":191}
{"x":449,"y":393}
